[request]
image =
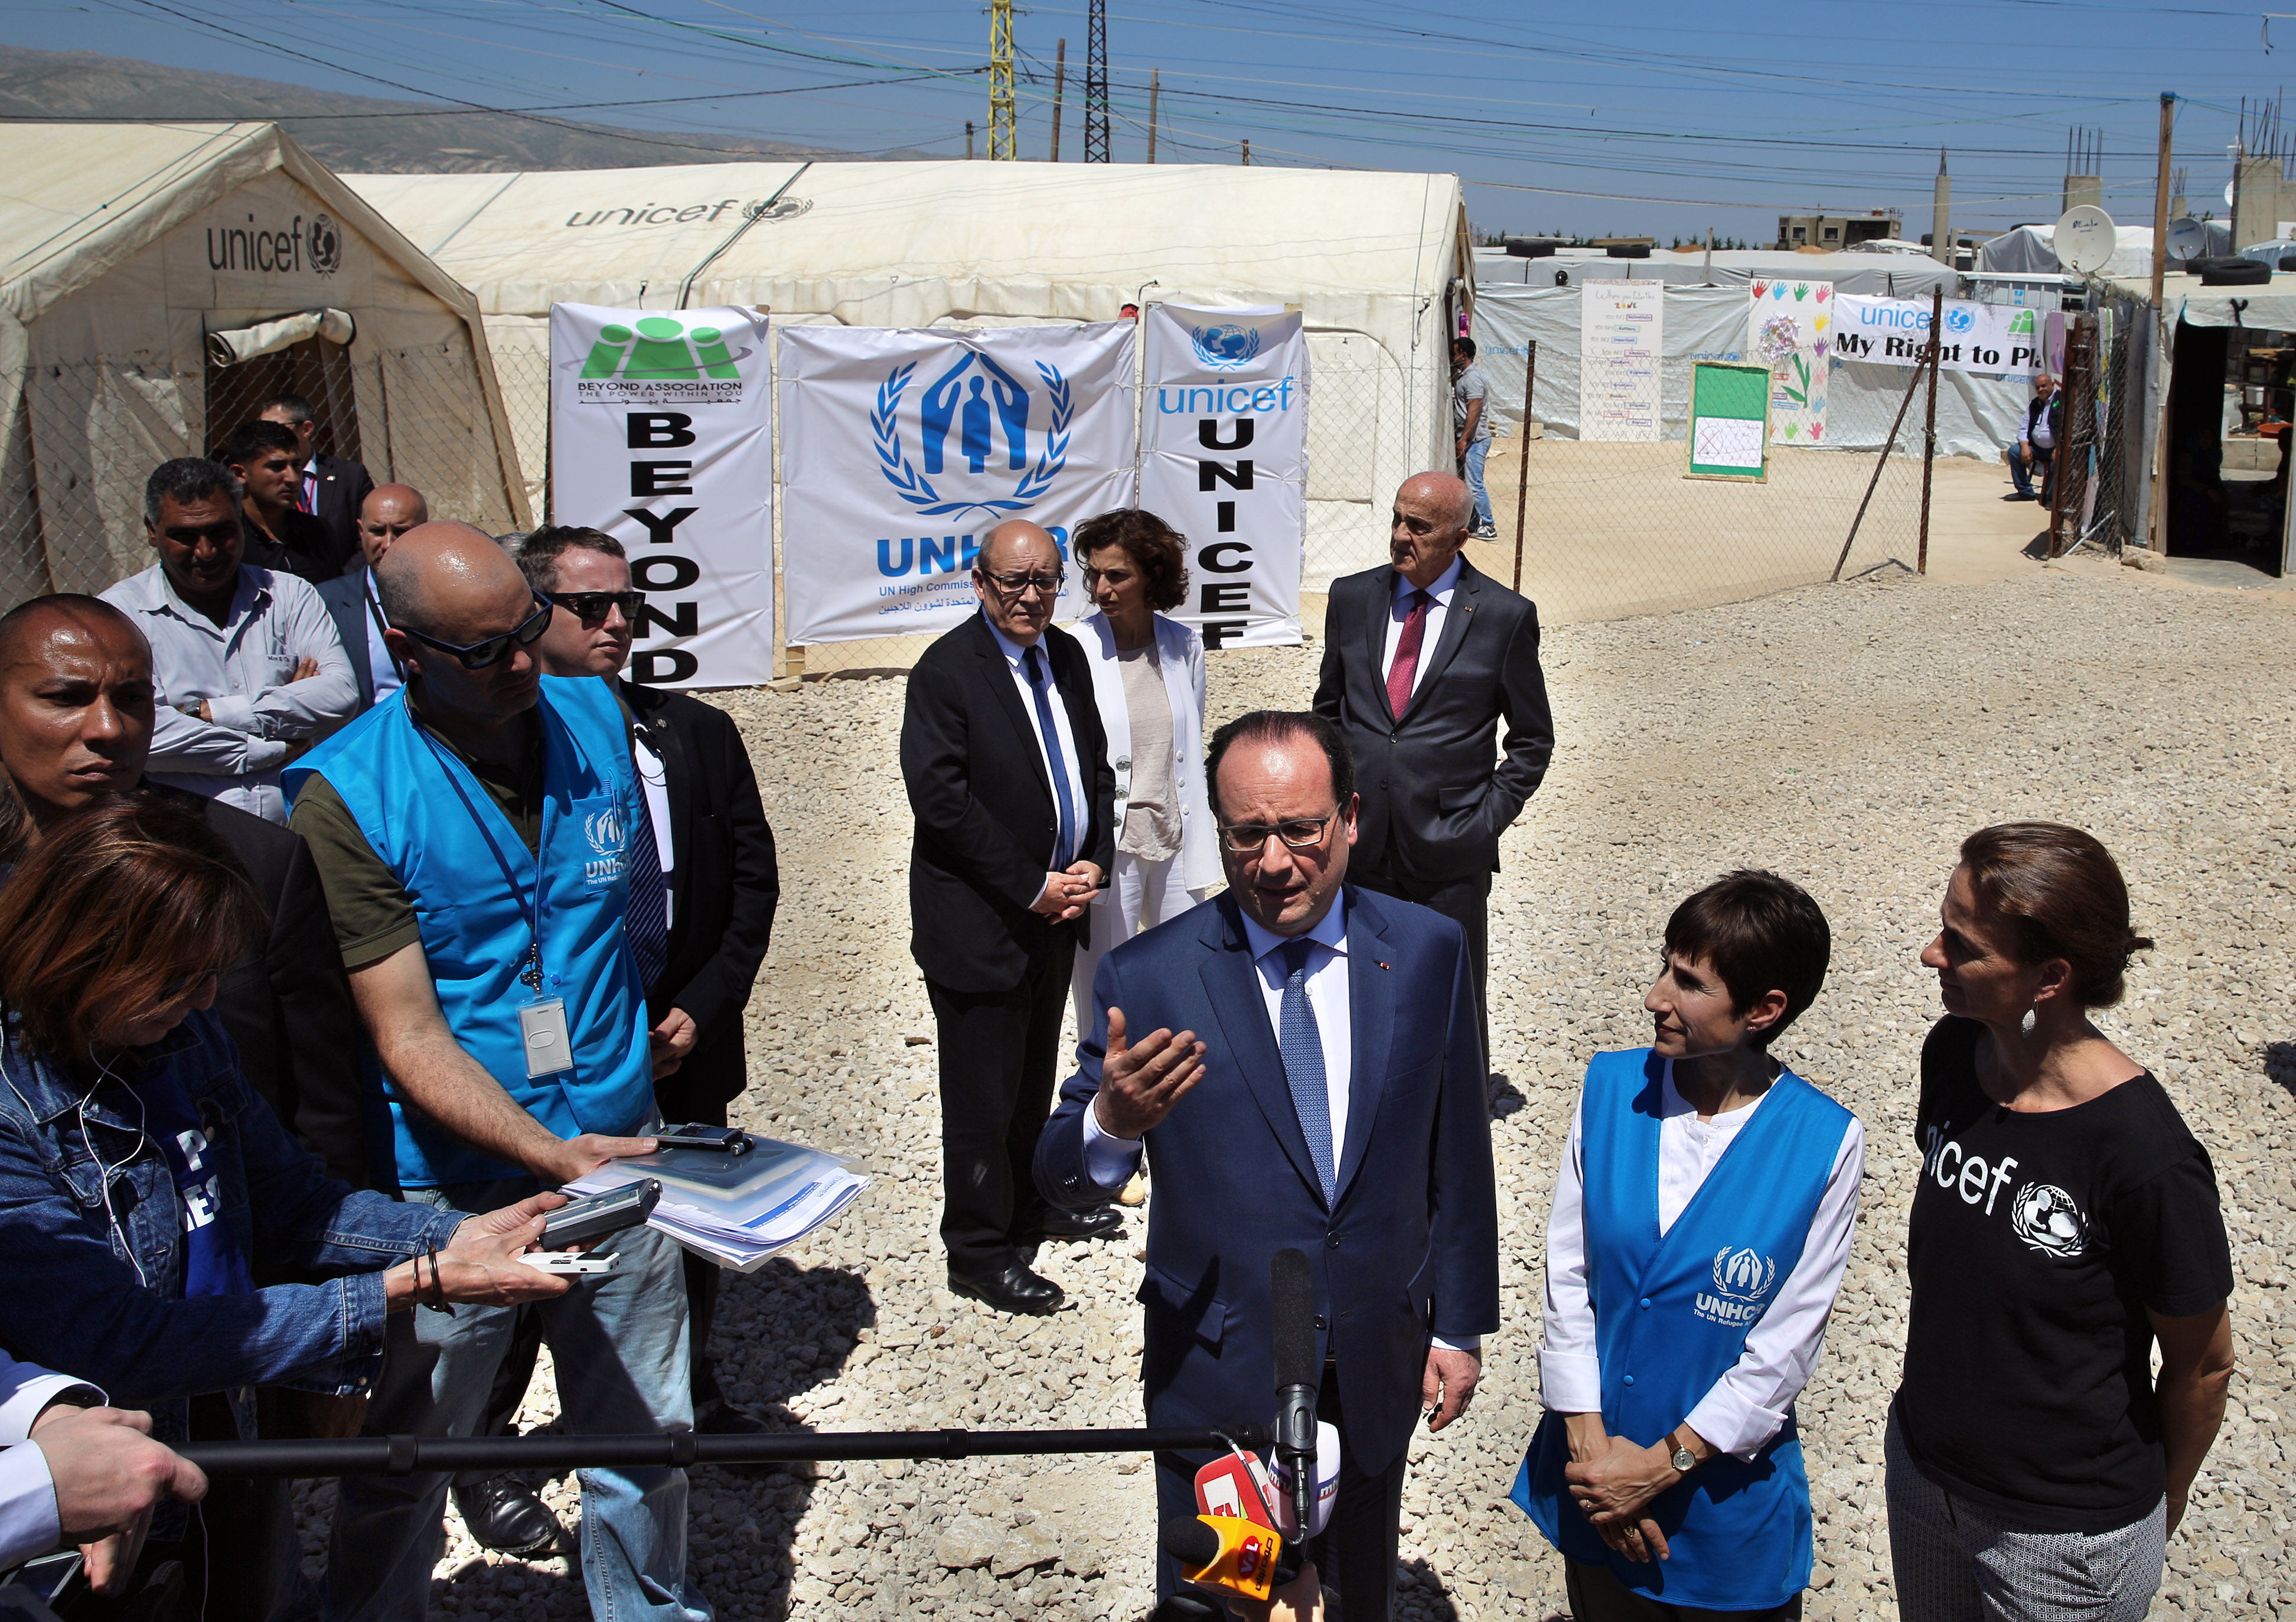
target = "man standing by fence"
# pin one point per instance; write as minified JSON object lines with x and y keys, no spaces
{"x":1471,"y":399}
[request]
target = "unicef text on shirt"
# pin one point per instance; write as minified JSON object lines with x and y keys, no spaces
{"x":1226,"y":400}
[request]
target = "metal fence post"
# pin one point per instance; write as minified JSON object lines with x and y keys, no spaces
{"x":1929,"y":427}
{"x":1522,"y":467}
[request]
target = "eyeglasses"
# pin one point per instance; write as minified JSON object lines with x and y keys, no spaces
{"x":1249,"y":838}
{"x":1018,"y":585}
{"x":591,"y":607}
{"x":477,"y":655}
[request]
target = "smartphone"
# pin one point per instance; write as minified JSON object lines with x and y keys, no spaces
{"x":597,"y":1215}
{"x":725,"y":1140}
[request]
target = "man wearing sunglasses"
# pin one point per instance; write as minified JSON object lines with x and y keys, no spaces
{"x":1015,"y":800}
{"x":475,"y":834}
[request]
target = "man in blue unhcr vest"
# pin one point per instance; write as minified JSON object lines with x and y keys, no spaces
{"x":1701,"y":1220}
{"x":473,"y":833}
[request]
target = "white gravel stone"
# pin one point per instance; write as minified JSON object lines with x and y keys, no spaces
{"x":1848,"y":738}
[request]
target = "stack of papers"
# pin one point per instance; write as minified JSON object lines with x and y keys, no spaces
{"x":737,"y":1209}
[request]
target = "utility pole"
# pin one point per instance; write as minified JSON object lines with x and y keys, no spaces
{"x":1060,"y":86}
{"x":2160,"y":185}
{"x":1247,"y":151}
{"x":1002,"y":145}
{"x":1096,"y":85}
{"x":968,"y":140}
{"x":1152,"y":114}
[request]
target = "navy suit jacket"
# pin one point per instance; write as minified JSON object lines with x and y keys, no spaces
{"x":1409,"y":1248}
{"x":345,"y":596}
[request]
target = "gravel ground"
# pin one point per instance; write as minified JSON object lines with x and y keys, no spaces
{"x":1846,"y":737}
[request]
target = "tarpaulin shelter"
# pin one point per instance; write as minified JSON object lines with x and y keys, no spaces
{"x":1376,"y":263}
{"x":158,"y":281}
{"x":1888,"y":275}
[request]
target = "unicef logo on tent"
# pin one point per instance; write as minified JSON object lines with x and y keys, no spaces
{"x":326,"y":244}
{"x":1224,"y":347}
{"x":973,"y":437}
{"x":660,"y":360}
{"x":1959,"y":320}
{"x":1742,"y":1278}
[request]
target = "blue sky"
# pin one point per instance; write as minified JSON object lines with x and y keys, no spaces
{"x":1664,"y":117}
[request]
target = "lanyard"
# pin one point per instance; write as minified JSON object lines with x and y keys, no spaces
{"x":532,"y":973}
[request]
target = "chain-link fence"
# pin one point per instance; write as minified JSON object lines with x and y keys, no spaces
{"x":1612,"y":528}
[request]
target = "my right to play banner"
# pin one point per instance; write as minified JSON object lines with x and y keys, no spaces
{"x":1224,"y":460}
{"x":1977,"y":337}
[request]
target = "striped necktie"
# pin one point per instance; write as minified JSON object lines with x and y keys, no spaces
{"x":1064,"y":845}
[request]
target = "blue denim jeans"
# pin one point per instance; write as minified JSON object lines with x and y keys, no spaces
{"x":1476,"y":451}
{"x":619,"y":1347}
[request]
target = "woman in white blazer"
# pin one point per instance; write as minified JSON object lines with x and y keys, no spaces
{"x":1148,"y":679}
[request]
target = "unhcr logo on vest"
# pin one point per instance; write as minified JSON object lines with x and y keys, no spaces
{"x":660,"y":360}
{"x":1742,"y":1279}
{"x":609,"y":844}
{"x":976,"y":450}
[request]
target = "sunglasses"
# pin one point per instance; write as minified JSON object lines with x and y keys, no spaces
{"x":591,"y":607}
{"x":479,"y":655}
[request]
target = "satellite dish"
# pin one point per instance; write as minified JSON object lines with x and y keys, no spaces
{"x":2188,"y":239}
{"x":2084,"y":238}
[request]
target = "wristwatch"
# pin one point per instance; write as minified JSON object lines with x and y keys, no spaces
{"x":1683,"y":1459}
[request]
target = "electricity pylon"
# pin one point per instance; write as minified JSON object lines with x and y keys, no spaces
{"x":1001,"y":142}
{"x":1096,"y":85}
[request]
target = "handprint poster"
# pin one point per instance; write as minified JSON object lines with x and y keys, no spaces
{"x":1790,"y":329}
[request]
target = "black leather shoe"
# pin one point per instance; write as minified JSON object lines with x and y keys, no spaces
{"x":1015,"y":1289}
{"x":1101,"y":1223}
{"x":504,"y":1514}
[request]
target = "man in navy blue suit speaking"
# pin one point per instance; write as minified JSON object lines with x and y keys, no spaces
{"x":1300,"y":1058}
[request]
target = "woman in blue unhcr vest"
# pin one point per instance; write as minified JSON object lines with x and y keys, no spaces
{"x":1701,"y":1220}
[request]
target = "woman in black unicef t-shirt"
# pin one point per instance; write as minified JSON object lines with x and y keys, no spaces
{"x":2064,"y":1218}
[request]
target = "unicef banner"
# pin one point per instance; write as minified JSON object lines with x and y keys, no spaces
{"x":1977,"y":337}
{"x":662,"y":435}
{"x":903,"y":448}
{"x":1224,"y":443}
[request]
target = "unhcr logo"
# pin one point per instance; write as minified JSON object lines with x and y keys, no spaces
{"x":1742,"y":1279}
{"x":974,"y":436}
{"x":660,"y":361}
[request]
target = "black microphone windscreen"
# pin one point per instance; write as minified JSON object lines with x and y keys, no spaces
{"x":1191,"y":1540}
{"x":1292,"y":1293}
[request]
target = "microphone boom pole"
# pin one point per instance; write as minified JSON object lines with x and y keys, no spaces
{"x":406,"y":1455}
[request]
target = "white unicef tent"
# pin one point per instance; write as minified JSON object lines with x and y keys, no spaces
{"x":158,"y":281}
{"x":1374,"y":261}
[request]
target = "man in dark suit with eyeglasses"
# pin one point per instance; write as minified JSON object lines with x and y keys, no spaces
{"x":1015,"y":798}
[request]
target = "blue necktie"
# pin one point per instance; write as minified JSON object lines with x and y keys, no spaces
{"x":646,"y":918}
{"x":1064,"y":846}
{"x":1302,"y":1045}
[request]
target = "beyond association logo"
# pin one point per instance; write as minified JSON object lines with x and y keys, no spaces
{"x":1223,"y":347}
{"x":660,"y":360}
{"x":1742,"y":1278}
{"x":974,"y":436}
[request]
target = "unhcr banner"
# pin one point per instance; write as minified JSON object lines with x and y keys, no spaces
{"x":1223,"y":443}
{"x":662,"y":435}
{"x":1977,"y":337}
{"x":903,"y":448}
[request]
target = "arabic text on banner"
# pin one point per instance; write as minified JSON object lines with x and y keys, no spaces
{"x":1225,"y":461}
{"x":1789,"y":330}
{"x":903,"y":448}
{"x":1621,"y":337}
{"x":1993,"y":338}
{"x":662,"y":435}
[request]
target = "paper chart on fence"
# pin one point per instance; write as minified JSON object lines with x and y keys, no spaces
{"x":1789,"y":328}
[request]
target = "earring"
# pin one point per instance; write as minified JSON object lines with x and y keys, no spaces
{"x":2025,"y":1025}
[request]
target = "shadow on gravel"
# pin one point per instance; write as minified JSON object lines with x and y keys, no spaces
{"x":2280,"y":1065}
{"x":781,"y":1332}
{"x":1507,"y":1097}
{"x":1420,"y":1595}
{"x":480,"y":1589}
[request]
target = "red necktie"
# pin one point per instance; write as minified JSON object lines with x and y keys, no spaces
{"x":1400,"y":673}
{"x":302,"y":496}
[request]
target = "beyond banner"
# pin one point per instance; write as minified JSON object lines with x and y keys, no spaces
{"x":1977,"y":337}
{"x":1621,"y":337}
{"x":903,"y":448}
{"x":662,"y":435}
{"x":1225,"y":461}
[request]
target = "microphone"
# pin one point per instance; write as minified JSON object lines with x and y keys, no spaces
{"x":1292,"y":1293}
{"x":1229,"y":1554}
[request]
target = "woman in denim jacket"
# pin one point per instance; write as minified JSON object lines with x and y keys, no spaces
{"x":140,"y":1177}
